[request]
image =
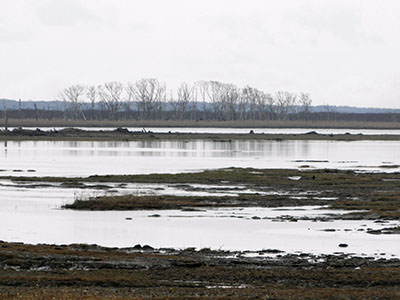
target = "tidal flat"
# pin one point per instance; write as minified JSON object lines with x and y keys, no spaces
{"x":375,"y":195}
{"x":241,"y":233}
{"x":266,"y":208}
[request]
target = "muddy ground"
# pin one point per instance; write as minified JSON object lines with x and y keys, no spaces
{"x":374,"y":195}
{"x":123,"y":134}
{"x":141,"y":272}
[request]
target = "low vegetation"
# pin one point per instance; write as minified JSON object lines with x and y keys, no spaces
{"x":93,"y":272}
{"x":134,"y":202}
{"x":141,"y":272}
{"x":376,"y":195}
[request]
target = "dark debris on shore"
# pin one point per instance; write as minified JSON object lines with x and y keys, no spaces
{"x":124,"y":134}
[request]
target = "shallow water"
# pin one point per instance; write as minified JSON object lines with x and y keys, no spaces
{"x":33,"y":215}
{"x":180,"y":231}
{"x":66,"y":158}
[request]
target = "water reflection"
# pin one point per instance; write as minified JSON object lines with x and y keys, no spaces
{"x":79,"y":158}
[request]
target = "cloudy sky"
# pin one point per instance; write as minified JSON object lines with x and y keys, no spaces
{"x":343,"y":52}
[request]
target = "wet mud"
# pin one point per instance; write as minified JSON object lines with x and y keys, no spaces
{"x":141,"y":272}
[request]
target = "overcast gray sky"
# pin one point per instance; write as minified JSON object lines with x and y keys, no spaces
{"x":343,"y":52}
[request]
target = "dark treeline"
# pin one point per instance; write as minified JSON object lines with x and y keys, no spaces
{"x":45,"y":114}
{"x":149,"y":99}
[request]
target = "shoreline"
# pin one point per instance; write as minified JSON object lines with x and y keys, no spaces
{"x":123,"y":134}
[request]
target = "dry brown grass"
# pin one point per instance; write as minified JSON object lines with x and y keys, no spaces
{"x":91,"y":272}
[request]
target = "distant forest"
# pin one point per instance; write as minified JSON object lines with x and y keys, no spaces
{"x":149,"y":99}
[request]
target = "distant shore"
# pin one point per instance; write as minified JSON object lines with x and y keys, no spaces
{"x":123,"y":134}
{"x":201,"y":124}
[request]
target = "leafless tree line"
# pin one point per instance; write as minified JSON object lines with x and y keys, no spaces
{"x":149,"y":99}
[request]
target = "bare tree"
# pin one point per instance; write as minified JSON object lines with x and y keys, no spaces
{"x":230,"y":98}
{"x":173,"y":105}
{"x":91,"y":94}
{"x":271,"y":107}
{"x":71,"y":96}
{"x":261,"y":101}
{"x":150,"y":94}
{"x":201,"y":95}
{"x":160,"y":99}
{"x":212,"y":93}
{"x":243,"y":105}
{"x":248,"y":96}
{"x":215,"y":96}
{"x":185,"y":94}
{"x":285,"y":102}
{"x":194,"y":105}
{"x":203,"y":100}
{"x":131,"y":96}
{"x":110,"y":95}
{"x":305,"y":103}
{"x":254,"y":100}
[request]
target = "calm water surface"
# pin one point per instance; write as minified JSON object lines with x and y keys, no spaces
{"x":33,"y":215}
{"x":62,"y":158}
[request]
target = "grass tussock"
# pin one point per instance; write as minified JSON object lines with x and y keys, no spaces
{"x":159,"y":202}
{"x":370,"y":193}
{"x":376,"y":193}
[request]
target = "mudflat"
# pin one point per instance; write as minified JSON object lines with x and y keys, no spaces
{"x":140,"y":272}
{"x":80,"y":271}
{"x":123,"y":134}
{"x":365,"y":195}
